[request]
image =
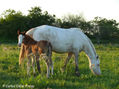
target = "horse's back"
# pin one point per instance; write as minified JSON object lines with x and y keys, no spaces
{"x":62,"y":40}
{"x":51,"y":32}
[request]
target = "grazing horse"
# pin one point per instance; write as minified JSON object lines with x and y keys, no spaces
{"x":71,"y":41}
{"x":36,"y":49}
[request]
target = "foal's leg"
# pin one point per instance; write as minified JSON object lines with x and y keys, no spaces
{"x":38,"y":65}
{"x":76,"y":63}
{"x":67,"y":60}
{"x":28,"y":65}
{"x":48,"y":62}
{"x":48,"y":66}
{"x":33,"y":64}
{"x":22,"y":53}
{"x":48,"y":70}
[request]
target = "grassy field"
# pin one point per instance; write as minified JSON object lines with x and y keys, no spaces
{"x":13,"y":76}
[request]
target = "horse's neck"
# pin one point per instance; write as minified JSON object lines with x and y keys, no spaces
{"x":90,"y":51}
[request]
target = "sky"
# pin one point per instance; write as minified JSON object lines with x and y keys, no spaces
{"x":88,"y":8}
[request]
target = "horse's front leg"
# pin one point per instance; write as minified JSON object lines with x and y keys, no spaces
{"x":51,"y":65}
{"x":76,"y":63}
{"x":66,"y":61}
{"x":50,"y":61}
{"x":28,"y":65}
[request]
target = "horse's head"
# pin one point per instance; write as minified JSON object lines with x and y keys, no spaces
{"x":20,"y":37}
{"x":95,"y":66}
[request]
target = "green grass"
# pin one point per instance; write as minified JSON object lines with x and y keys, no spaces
{"x":14,"y":76}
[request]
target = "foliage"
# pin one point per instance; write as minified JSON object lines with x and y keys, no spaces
{"x":99,"y":28}
{"x":12,"y":74}
{"x":37,"y":17}
{"x":72,"y":21}
{"x":106,"y":28}
{"x":11,"y":21}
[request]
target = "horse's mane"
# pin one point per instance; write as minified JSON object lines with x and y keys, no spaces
{"x":92,"y":45}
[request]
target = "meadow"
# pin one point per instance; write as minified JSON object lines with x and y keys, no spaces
{"x":13,"y":76}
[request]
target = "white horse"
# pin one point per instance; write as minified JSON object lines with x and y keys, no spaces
{"x":71,"y":41}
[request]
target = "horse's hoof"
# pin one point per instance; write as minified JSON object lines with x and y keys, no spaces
{"x":77,"y":73}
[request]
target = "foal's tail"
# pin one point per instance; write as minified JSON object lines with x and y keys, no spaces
{"x":22,"y":54}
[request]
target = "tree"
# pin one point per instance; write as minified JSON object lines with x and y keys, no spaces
{"x":72,"y":21}
{"x":10,"y":22}
{"x":107,"y":29}
{"x":37,"y":17}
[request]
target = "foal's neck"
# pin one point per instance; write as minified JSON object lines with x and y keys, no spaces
{"x":28,"y":40}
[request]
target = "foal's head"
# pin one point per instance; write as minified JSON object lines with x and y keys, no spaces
{"x":25,"y":39}
{"x":21,"y":36}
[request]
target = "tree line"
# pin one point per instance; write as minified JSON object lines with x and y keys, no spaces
{"x":98,"y":28}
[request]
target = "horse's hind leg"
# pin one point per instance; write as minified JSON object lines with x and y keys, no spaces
{"x":76,"y":63}
{"x":51,"y":65}
{"x":49,"y":55}
{"x":48,"y":70}
{"x":66,"y":61}
{"x":52,"y":68}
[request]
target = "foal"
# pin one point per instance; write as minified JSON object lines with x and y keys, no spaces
{"x":36,"y":49}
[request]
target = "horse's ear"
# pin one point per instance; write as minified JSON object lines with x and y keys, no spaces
{"x":18,"y":32}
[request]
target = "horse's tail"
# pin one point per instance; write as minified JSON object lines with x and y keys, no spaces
{"x":22,"y":54}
